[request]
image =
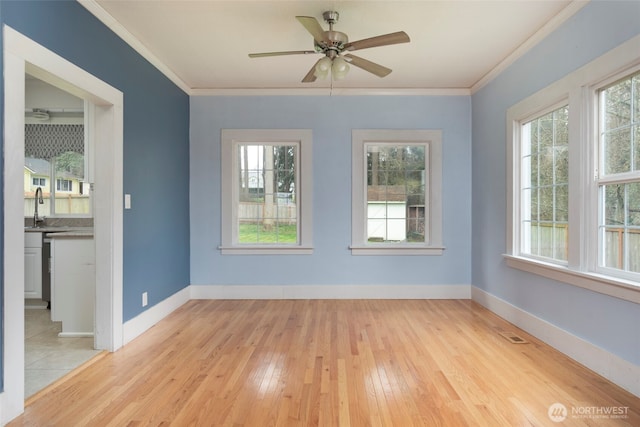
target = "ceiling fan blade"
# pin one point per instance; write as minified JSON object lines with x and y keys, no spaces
{"x":384,"y":40}
{"x":313,"y":26}
{"x":311,"y":76}
{"x":290,"y":52}
{"x":367,"y":65}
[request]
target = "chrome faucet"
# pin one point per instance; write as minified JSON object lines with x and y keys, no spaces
{"x":37,"y":201}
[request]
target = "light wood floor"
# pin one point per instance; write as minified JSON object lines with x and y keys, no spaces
{"x":330,"y":363}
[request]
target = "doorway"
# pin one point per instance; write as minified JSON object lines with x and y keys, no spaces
{"x":58,"y":168}
{"x":22,"y":55}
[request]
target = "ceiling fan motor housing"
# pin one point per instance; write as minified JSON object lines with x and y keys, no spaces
{"x":333,"y":43}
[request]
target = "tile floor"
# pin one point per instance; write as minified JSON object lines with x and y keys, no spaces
{"x":48,"y":357}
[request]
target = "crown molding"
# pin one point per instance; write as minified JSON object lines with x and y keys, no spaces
{"x":107,"y":19}
{"x":552,"y":25}
{"x":332,"y":92}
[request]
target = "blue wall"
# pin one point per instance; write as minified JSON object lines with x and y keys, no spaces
{"x":156,"y":142}
{"x":602,"y":320}
{"x":331,"y":120}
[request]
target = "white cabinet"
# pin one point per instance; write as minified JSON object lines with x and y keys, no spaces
{"x":33,"y":265}
{"x":73,"y":277}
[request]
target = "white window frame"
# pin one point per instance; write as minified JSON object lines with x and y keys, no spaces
{"x":230,"y":140}
{"x":580,"y":90}
{"x":433,"y":191}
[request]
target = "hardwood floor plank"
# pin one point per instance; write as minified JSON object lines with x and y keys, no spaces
{"x":330,"y":363}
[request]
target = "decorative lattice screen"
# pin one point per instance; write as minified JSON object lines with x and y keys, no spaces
{"x":49,"y":141}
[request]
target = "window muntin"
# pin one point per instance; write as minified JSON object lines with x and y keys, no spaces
{"x":267,"y":196}
{"x":396,"y":192}
{"x":545,"y":185}
{"x":619,"y":177}
{"x":266,"y":205}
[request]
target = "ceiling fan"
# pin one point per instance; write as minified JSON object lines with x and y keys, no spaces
{"x":335,"y":45}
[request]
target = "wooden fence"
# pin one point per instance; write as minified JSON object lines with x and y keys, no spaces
{"x":614,"y":244}
{"x":250,"y":213}
{"x":65,"y":204}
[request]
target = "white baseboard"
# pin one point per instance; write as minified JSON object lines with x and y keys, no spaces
{"x":139,"y":324}
{"x":145,"y":320}
{"x":330,"y":292}
{"x":75,"y":335}
{"x":610,"y":366}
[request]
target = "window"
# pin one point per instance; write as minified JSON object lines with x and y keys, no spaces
{"x":619,"y":175}
{"x":545,"y":185}
{"x":396,"y":204}
{"x":573,"y":155}
{"x":56,"y":158}
{"x":64,"y":185}
{"x":266,"y":191}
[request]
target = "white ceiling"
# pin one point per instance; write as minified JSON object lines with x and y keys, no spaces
{"x":455,"y":45}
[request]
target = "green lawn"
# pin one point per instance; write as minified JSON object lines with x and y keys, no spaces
{"x":256,"y":233}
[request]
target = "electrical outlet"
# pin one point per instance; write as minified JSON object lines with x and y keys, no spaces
{"x":145,"y":299}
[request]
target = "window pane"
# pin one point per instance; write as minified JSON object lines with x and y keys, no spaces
{"x":72,"y":192}
{"x":636,"y":145}
{"x":395,"y":193}
{"x":621,"y":227}
{"x":534,"y":178}
{"x":267,"y":210}
{"x":614,"y":204}
{"x":560,"y":241}
{"x":561,"y":165}
{"x":530,"y":205}
{"x":617,"y":151}
{"x":617,"y":105}
{"x":635,"y":81}
{"x":545,"y":168}
{"x":620,"y":122}
{"x":34,"y":166}
{"x":613,"y":248}
{"x":562,"y":203}
{"x":633,"y":204}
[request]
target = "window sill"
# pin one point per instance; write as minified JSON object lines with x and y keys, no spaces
{"x":620,"y":288}
{"x":396,"y":250}
{"x":265,"y":250}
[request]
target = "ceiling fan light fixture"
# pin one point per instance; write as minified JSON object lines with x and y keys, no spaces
{"x":323,"y":67}
{"x":339,"y":69}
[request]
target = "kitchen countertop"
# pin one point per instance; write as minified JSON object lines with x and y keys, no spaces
{"x":61,"y":232}
{"x":70,"y":234}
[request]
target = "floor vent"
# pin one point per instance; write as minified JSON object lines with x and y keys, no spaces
{"x":513,"y":338}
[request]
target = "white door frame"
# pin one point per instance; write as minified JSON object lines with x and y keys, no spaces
{"x":23,"y":55}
